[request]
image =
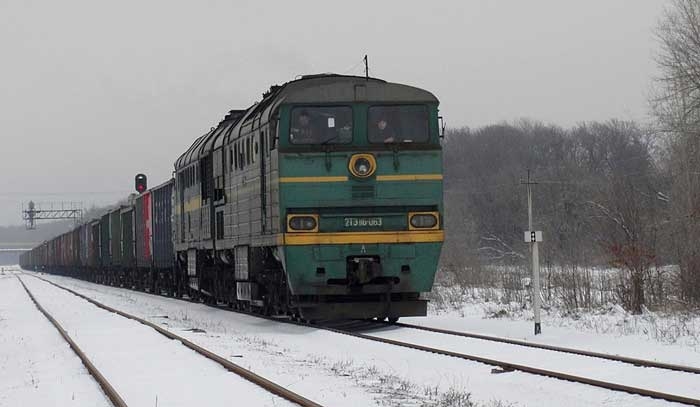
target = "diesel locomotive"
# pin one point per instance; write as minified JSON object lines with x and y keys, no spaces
{"x":321,"y":201}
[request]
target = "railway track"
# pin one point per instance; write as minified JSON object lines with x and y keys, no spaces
{"x":107,"y":388}
{"x":509,"y":366}
{"x":580,"y":352}
{"x":246,"y":374}
{"x":352,"y":329}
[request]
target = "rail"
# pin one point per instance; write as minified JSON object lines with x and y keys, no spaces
{"x":108,"y":389}
{"x":266,"y":384}
{"x":505,"y":365}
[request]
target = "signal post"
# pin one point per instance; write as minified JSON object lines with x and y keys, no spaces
{"x":533,"y":237}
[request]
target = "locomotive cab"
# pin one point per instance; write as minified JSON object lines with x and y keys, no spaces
{"x":360,"y":188}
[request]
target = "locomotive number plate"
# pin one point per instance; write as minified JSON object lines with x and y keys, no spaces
{"x":362,"y":222}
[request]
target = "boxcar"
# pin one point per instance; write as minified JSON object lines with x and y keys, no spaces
{"x":94,"y":236}
{"x":105,"y":255}
{"x":143,"y":226}
{"x":75,"y":252}
{"x":115,"y":237}
{"x":162,"y":226}
{"x":84,"y":236}
{"x":128,"y":260}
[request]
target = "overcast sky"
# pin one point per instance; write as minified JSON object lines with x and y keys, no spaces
{"x":93,"y":92}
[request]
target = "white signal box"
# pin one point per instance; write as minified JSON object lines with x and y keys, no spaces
{"x":533,"y":236}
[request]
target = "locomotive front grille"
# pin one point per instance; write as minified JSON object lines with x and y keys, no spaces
{"x":363,"y":191}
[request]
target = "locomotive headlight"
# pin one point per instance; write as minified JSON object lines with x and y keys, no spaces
{"x":302,"y":223}
{"x":362,"y":165}
{"x":423,"y":220}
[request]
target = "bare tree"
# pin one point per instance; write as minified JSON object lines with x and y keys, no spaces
{"x":677,"y":98}
{"x":676,"y":104}
{"x":596,"y":201}
{"x":625,"y":206}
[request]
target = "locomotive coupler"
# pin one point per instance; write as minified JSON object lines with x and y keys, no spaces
{"x":362,"y":270}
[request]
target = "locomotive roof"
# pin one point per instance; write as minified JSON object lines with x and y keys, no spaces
{"x":186,"y":157}
{"x":205,"y":143}
{"x":321,"y":88}
{"x":330,"y":88}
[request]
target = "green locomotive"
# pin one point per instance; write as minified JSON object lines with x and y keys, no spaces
{"x":323,"y":201}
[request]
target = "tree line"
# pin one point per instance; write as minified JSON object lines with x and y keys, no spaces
{"x":612,"y":194}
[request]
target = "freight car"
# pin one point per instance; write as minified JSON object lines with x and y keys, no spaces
{"x":321,"y":201}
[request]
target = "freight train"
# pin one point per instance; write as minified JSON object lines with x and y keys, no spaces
{"x":321,"y":201}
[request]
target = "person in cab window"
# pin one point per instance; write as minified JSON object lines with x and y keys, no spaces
{"x":302,"y":132}
{"x":385,"y":132}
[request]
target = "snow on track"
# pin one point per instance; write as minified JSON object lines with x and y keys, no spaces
{"x":655,"y":379}
{"x":337,"y":370}
{"x":145,"y":367}
{"x":582,"y":352}
{"x":632,"y":346}
{"x":37,"y":367}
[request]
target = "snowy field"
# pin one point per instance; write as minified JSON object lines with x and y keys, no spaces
{"x":673,"y":338}
{"x":37,"y":368}
{"x":142,"y":365}
{"x":338,"y":370}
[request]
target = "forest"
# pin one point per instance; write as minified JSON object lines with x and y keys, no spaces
{"x":618,"y":201}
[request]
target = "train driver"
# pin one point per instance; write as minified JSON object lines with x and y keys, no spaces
{"x":303,"y":132}
{"x":384,"y":132}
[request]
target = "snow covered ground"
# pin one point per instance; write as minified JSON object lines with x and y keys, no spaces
{"x":660,"y":380}
{"x":146,"y":368}
{"x":671,"y":338}
{"x":37,"y":368}
{"x":338,"y":370}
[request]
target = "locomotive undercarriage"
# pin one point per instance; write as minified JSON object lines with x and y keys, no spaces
{"x":363,"y":293}
{"x":214,"y":282}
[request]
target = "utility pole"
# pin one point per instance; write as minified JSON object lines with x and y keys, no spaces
{"x":533,"y":237}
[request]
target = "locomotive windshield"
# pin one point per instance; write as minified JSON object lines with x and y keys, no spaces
{"x":321,"y":125}
{"x":398,"y":124}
